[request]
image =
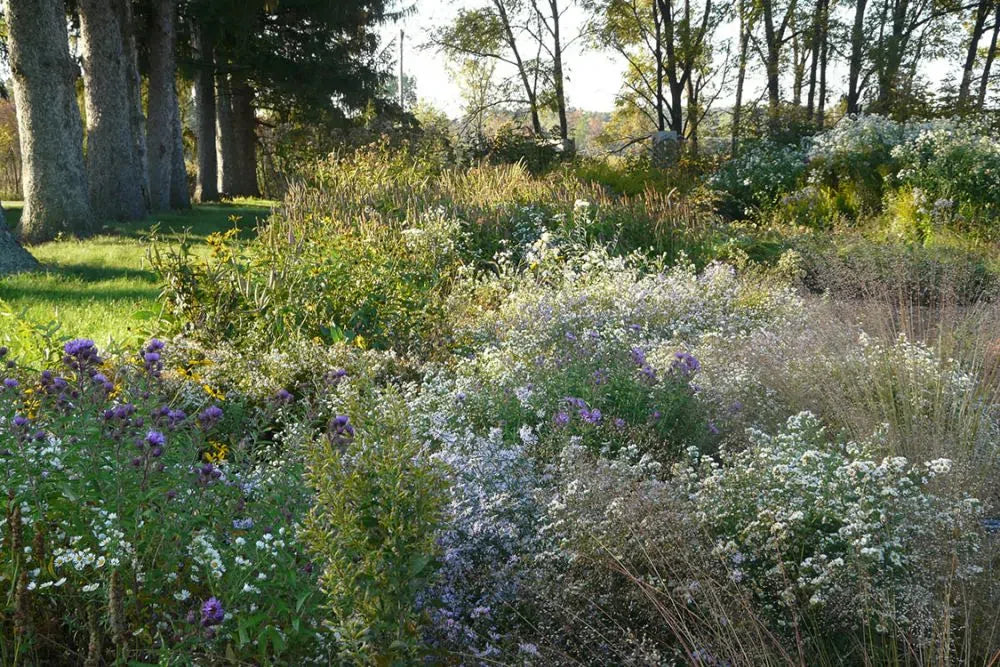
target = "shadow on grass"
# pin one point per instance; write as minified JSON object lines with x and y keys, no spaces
{"x":89,"y":273}
{"x":198,"y":222}
{"x":63,"y":294}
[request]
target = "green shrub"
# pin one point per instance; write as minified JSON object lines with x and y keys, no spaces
{"x":379,"y":503}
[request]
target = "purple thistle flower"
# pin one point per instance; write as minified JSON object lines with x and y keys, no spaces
{"x":212,"y":612}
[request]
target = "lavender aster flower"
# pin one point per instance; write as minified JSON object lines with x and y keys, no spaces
{"x":212,"y":612}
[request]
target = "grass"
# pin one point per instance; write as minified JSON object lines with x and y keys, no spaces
{"x":94,"y":288}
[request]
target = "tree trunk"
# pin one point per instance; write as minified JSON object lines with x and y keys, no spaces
{"x":536,"y":123}
{"x":204,"y":91}
{"x":971,"y":51}
{"x":180,"y":193}
{"x":53,"y":176}
{"x":823,"y":52}
{"x":557,"y":71}
{"x":857,"y":57}
{"x":991,"y":53}
{"x":225,"y":139}
{"x":127,"y":22}
{"x":115,"y":174}
{"x":658,"y":59}
{"x":741,"y":75}
{"x":13,"y":258}
{"x":814,"y":59}
{"x":245,"y":136}
{"x":162,"y":103}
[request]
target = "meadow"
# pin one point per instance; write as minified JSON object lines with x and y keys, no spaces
{"x":738,"y":411}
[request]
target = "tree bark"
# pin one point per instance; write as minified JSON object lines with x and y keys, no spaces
{"x":127,"y":22}
{"x":245,"y":136}
{"x":115,"y":173}
{"x":161,"y":103}
{"x":180,"y":193}
{"x":226,"y":149}
{"x":207,"y":187}
{"x":51,"y":136}
{"x":13,"y":258}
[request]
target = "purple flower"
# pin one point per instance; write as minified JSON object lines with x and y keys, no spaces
{"x":155,"y":439}
{"x":3,"y":351}
{"x":20,"y":420}
{"x":600,"y":376}
{"x":560,"y":419}
{"x":712,"y":428}
{"x":619,"y":422}
{"x":591,"y":416}
{"x":335,"y":376}
{"x":638,"y":356}
{"x":243,"y":524}
{"x":210,"y":416}
{"x":155,"y":345}
{"x":648,"y":373}
{"x":212,"y":612}
{"x":685,"y":363}
{"x":340,"y":429}
{"x":81,"y":353}
{"x":11,"y":383}
{"x":284,"y":396}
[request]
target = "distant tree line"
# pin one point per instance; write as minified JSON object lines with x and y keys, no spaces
{"x":805,"y":59}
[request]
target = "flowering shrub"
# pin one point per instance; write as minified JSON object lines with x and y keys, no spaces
{"x":790,"y":541}
{"x":116,"y":525}
{"x":758,"y":176}
{"x":955,"y":170}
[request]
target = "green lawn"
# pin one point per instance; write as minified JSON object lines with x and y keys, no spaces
{"x":93,"y":288}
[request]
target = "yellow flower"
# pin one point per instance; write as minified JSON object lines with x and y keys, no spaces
{"x":213,"y":392}
{"x":216,"y":453}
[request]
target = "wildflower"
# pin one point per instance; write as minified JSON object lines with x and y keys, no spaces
{"x":212,"y":612}
{"x":284,"y":396}
{"x":10,"y":383}
{"x":560,"y":419}
{"x":20,"y":420}
{"x":591,"y":416}
{"x":685,"y":363}
{"x":155,"y":439}
{"x":340,"y":429}
{"x":243,"y":524}
{"x":210,"y":416}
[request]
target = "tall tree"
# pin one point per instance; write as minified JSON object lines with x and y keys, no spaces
{"x":225,"y":140}
{"x":550,"y":17}
{"x":991,"y":52}
{"x":114,"y":166}
{"x":244,"y":119}
{"x":859,"y":49}
{"x":777,"y":19}
{"x":51,"y":135}
{"x":204,"y":88}
{"x":167,"y":185}
{"x":492,"y":32}
{"x":977,"y":29}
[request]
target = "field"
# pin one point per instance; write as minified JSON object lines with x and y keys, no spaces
{"x":738,"y":411}
{"x":95,"y":287}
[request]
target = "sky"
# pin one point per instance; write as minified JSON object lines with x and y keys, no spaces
{"x":593,"y":78}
